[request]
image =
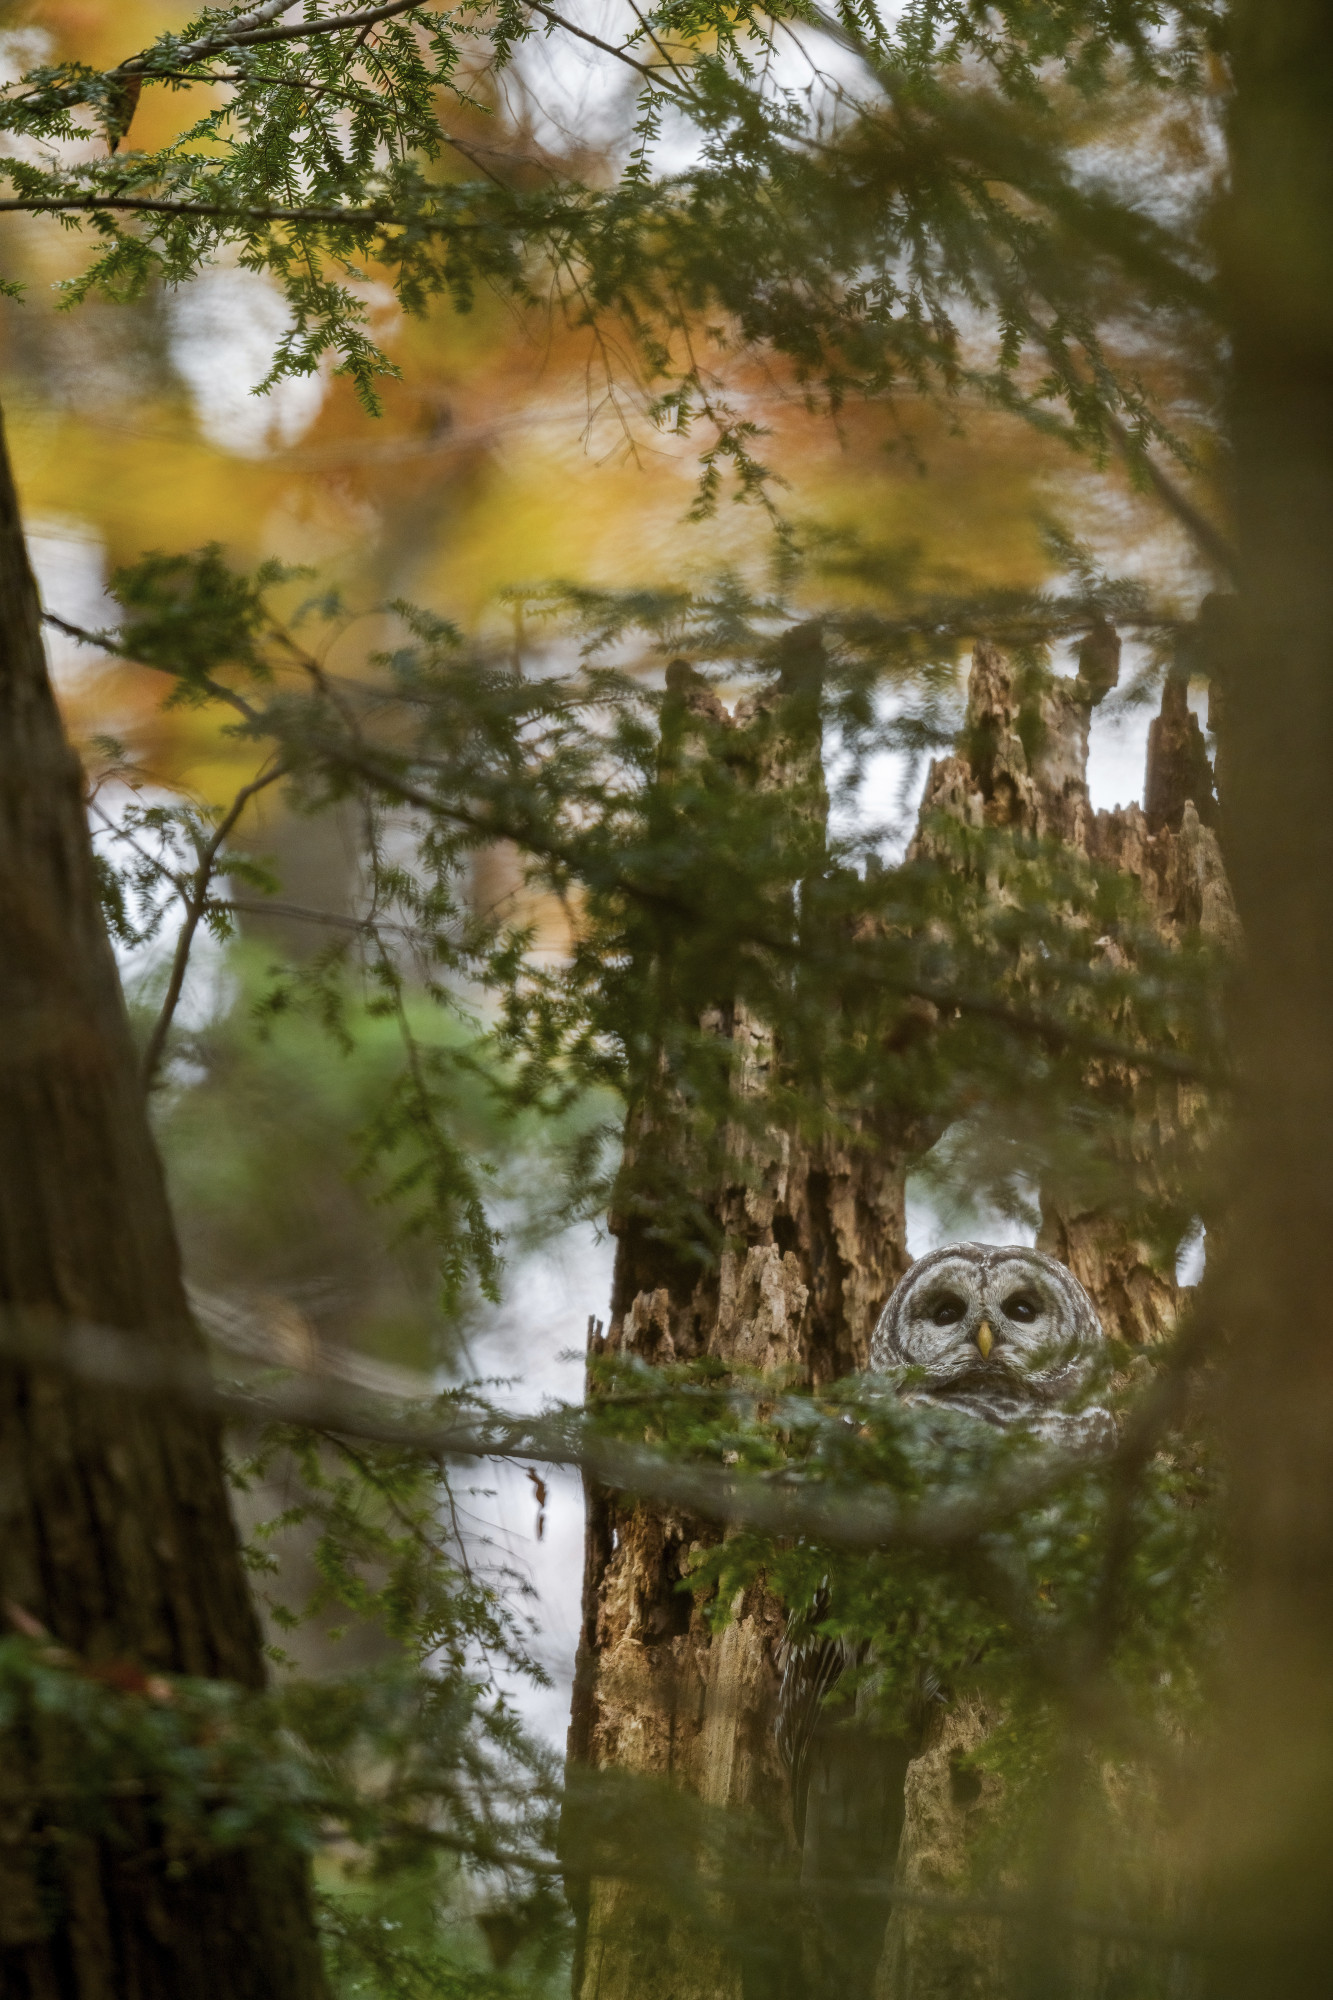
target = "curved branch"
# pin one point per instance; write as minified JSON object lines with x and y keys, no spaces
{"x":292,"y":31}
{"x":106,"y":643}
{"x":783,"y":1505}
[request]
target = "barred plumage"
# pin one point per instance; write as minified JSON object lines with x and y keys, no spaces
{"x":1004,"y":1334}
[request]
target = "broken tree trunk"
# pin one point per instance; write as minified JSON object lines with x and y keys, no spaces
{"x":1170,"y":847}
{"x":116,"y":1533}
{"x":813,"y":1241}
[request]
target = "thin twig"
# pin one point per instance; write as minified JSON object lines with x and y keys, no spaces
{"x":194,"y":910}
{"x":596,"y":42}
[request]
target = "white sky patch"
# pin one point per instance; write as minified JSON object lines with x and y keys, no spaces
{"x":1118,"y":741}
{"x":1192,"y":1256}
{"x":69,"y":561}
{"x":1117,"y":756}
{"x":930,"y":1225}
{"x":535,"y":1339}
{"x":887,"y":799}
{"x":1118,"y":751}
{"x":562,"y":89}
{"x":225,"y":326}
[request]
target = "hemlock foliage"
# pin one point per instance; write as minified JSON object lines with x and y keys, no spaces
{"x":932,"y":202}
{"x":961,"y":207}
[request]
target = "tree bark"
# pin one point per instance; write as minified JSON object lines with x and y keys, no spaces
{"x":814,"y":1245}
{"x":814,"y":1239}
{"x":1170,"y":848}
{"x":1270,"y":1814}
{"x":115,"y":1528}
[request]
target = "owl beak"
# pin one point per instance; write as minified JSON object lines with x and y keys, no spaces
{"x":985,"y":1339}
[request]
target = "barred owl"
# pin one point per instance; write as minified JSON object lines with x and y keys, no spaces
{"x":1005,"y":1335}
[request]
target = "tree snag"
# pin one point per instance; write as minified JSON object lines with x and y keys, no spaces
{"x":1038,"y":789}
{"x":812,"y":1238}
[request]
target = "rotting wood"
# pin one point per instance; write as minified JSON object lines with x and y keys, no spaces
{"x":1170,"y":847}
{"x":814,"y":1245}
{"x":814,"y":1240}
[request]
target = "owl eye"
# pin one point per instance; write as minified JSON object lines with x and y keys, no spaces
{"x":948,"y":1310}
{"x":1022,"y":1307}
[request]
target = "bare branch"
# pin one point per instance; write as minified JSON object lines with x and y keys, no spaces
{"x":596,"y":42}
{"x":260,"y":16}
{"x":195,"y":906}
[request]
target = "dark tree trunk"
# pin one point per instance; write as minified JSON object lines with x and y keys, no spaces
{"x":115,"y":1528}
{"x":1272,"y":1817}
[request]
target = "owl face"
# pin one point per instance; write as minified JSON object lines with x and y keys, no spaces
{"x":999,"y":1326}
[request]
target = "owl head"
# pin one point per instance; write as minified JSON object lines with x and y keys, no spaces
{"x":1003,"y":1331}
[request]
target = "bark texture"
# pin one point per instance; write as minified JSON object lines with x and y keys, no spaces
{"x":814,"y":1238}
{"x":115,"y":1528}
{"x":1171,"y":849}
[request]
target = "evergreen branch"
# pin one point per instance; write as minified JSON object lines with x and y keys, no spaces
{"x":1031,"y":1022}
{"x":106,"y":642}
{"x":250,"y":212}
{"x":1157,"y":1412}
{"x":1206,"y":536}
{"x":780,"y":1504}
{"x":294,"y":31}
